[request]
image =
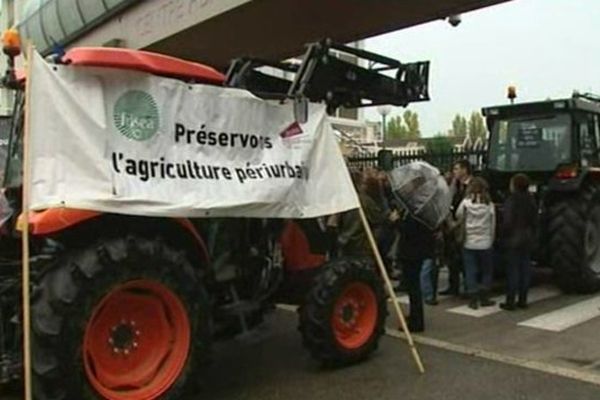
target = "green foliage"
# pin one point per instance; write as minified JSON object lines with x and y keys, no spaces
{"x":477,"y":126}
{"x":395,"y":128}
{"x":405,"y":127}
{"x":459,"y":126}
{"x":411,"y":119}
{"x":439,"y":144}
{"x":474,"y":126}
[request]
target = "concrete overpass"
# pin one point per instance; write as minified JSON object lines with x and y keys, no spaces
{"x":215,"y":31}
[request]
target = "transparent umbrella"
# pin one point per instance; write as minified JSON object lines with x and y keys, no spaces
{"x":423,"y":192}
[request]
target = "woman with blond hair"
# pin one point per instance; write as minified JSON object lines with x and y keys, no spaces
{"x":478,"y":216}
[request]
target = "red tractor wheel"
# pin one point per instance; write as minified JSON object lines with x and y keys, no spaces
{"x":344,"y":314}
{"x":136,"y":342}
{"x":125,"y":319}
{"x":355,"y":315}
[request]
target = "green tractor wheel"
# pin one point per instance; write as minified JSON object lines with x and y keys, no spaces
{"x":574,"y":240}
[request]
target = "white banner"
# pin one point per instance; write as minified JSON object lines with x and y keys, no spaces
{"x":132,"y":143}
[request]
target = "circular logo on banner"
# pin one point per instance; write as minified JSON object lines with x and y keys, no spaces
{"x":136,"y":115}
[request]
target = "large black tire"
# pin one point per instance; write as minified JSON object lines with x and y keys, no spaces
{"x":574,"y":240}
{"x":69,"y":295}
{"x":317,"y":313}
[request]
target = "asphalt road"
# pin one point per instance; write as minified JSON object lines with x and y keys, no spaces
{"x":276,"y":367}
{"x":556,"y":331}
{"x":272,"y":365}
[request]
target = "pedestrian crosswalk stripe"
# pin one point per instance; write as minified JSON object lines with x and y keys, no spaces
{"x":404,"y":299}
{"x":566,"y":317}
{"x":537,"y":293}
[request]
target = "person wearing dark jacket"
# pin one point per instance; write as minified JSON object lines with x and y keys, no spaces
{"x":417,"y":243}
{"x":461,"y":177}
{"x":519,"y":231}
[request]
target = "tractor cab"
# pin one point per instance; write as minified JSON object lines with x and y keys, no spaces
{"x":555,"y":142}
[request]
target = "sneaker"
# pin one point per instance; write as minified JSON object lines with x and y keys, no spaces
{"x":432,"y":302}
{"x":523,"y":306}
{"x":507,"y":307}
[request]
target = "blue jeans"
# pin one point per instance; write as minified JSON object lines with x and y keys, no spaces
{"x":427,"y":273}
{"x":478,"y":262}
{"x":518,"y":275}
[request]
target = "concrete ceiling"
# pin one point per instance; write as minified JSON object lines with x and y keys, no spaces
{"x":277,"y":29}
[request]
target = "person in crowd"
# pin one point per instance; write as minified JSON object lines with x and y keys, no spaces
{"x":461,"y":177}
{"x":375,"y":196}
{"x":374,"y":205}
{"x":416,"y":245}
{"x":387,"y":235}
{"x":332,"y":224}
{"x":519,"y":230}
{"x":427,"y":276}
{"x":352,"y":239}
{"x":430,"y":271}
{"x":477,"y":213}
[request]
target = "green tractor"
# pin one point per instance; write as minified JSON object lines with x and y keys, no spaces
{"x":556,"y":143}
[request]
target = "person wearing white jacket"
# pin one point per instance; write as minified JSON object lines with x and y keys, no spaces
{"x":478,"y":216}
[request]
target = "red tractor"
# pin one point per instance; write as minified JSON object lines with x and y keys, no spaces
{"x":126,"y":307}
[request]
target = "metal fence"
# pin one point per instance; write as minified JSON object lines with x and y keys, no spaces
{"x":443,"y":160}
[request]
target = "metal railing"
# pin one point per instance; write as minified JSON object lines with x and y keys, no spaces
{"x":442,"y":159}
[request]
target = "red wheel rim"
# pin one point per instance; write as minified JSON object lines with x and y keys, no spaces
{"x":355,"y":315}
{"x":136,"y":342}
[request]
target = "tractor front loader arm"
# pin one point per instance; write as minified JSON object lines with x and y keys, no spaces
{"x":326,"y":74}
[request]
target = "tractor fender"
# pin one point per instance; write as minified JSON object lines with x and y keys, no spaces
{"x":301,"y":246}
{"x":54,"y":220}
{"x":74,"y":222}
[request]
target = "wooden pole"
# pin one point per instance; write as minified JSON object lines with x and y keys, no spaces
{"x":390,"y":290}
{"x":25,"y":235}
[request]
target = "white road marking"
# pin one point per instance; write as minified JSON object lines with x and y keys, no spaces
{"x":404,"y":299}
{"x":505,"y":359}
{"x":537,"y":293}
{"x":401,"y":299}
{"x":287,"y":307}
{"x":566,"y":317}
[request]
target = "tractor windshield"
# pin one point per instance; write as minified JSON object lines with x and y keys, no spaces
{"x":533,"y":144}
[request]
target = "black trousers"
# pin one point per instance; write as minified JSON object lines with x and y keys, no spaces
{"x":411,"y":269}
{"x":455,"y":269}
{"x":518,"y":275}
